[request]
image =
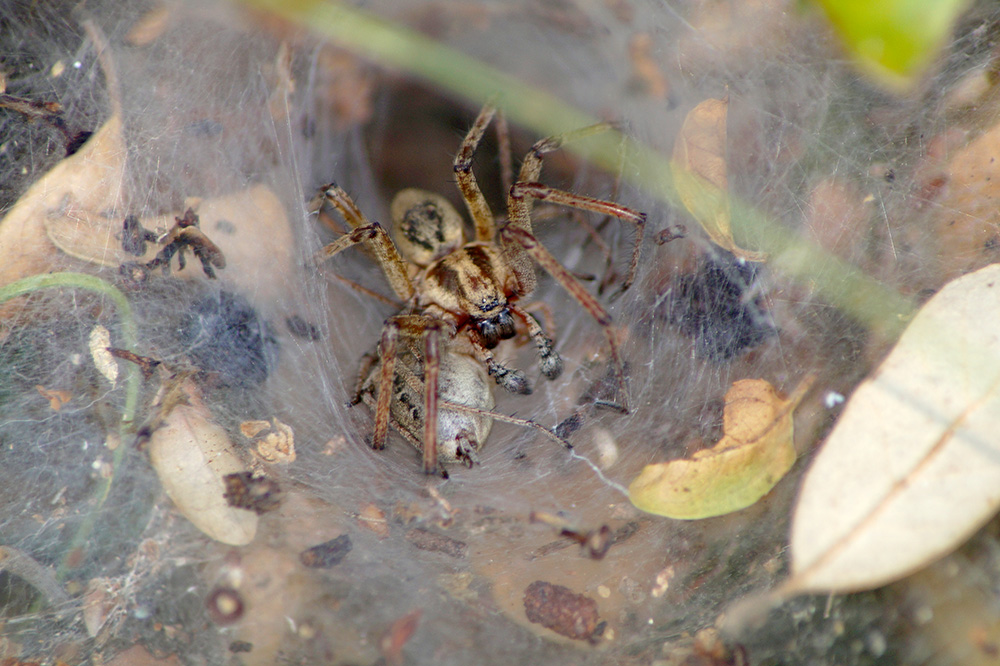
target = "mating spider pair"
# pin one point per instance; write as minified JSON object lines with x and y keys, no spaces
{"x":460,"y":299}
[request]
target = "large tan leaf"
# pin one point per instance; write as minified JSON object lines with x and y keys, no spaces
{"x":192,"y":455}
{"x":700,"y":173}
{"x":89,"y":180}
{"x":913,"y":466}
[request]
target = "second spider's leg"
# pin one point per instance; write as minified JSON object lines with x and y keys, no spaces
{"x":480,"y":211}
{"x":549,"y":359}
{"x":525,"y":423}
{"x":373,"y":236}
{"x":552,"y":266}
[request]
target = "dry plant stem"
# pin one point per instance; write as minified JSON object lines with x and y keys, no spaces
{"x":869,"y":301}
{"x":24,"y":566}
{"x":132,"y":379}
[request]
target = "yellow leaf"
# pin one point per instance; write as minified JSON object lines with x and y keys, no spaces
{"x":700,"y":173}
{"x":754,"y":453}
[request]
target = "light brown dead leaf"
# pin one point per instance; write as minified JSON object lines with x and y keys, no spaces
{"x":273,"y":441}
{"x":967,"y":230}
{"x":151,"y":26}
{"x":373,"y":518}
{"x":913,"y":466}
{"x":192,"y":455}
{"x":755,"y":452}
{"x":700,"y":176}
{"x":56,"y":398}
{"x":89,"y":180}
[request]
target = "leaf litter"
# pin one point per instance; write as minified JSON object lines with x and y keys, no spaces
{"x":754,"y":453}
{"x":912,"y":468}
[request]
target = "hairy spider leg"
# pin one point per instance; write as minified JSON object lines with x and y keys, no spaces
{"x":387,"y":352}
{"x":549,"y":360}
{"x":432,"y":367}
{"x":499,"y":416}
{"x":374,"y":237}
{"x":482,"y":216}
{"x":526,"y":189}
{"x":551,"y":265}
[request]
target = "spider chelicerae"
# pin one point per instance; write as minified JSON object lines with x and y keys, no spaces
{"x":427,"y":376}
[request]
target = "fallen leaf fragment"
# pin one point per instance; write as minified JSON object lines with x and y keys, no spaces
{"x":913,"y":466}
{"x":327,"y":554}
{"x":399,"y":634}
{"x":192,"y":455}
{"x":56,"y":398}
{"x":755,"y":452}
{"x":700,"y":174}
{"x":373,"y":518}
{"x":560,"y":609}
{"x":273,"y":440}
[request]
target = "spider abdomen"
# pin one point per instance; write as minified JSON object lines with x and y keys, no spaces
{"x":462,"y":380}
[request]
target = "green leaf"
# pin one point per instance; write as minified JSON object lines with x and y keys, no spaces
{"x":895,"y":41}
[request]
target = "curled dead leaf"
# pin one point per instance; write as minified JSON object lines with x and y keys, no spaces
{"x":699,"y":169}
{"x":56,"y":398}
{"x":273,"y":441}
{"x":755,"y":452}
{"x":192,"y":455}
{"x":913,"y":466}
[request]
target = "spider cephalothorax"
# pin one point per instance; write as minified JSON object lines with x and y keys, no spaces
{"x":461,"y":299}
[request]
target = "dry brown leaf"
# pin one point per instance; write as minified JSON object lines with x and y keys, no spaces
{"x":192,"y":455}
{"x":151,"y":26}
{"x":88,"y":180}
{"x":373,"y":518}
{"x":273,"y":441}
{"x":755,"y":452}
{"x":968,"y":226}
{"x":913,"y":466}
{"x":56,"y":398}
{"x":700,"y":173}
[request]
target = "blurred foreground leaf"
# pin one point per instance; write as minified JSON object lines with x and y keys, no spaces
{"x":700,"y":173}
{"x":913,"y":466}
{"x":894,"y":40}
{"x":755,"y":452}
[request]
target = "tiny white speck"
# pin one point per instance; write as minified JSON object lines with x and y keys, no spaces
{"x":833,"y":399}
{"x":77,"y":64}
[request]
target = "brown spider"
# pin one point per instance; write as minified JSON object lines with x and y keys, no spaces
{"x":461,"y":299}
